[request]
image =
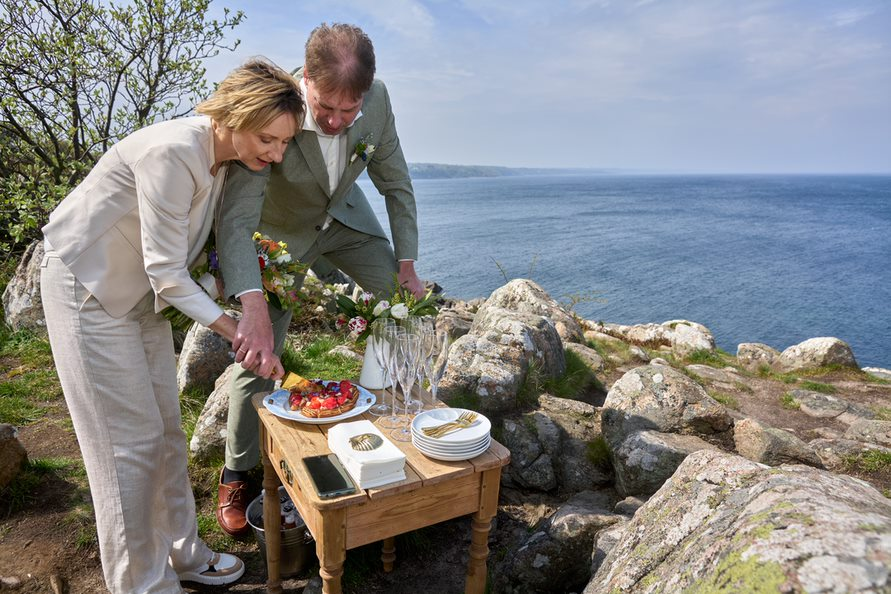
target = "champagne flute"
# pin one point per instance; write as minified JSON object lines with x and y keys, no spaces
{"x":391,"y":338}
{"x":436,"y":365}
{"x":426,"y":332}
{"x":381,"y":347}
{"x":407,"y":353}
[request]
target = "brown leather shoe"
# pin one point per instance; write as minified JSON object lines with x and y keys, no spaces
{"x":231,"y":507}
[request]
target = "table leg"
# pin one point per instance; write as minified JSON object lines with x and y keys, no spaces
{"x":479,"y":536}
{"x":271,"y":522}
{"x":331,"y":549}
{"x":388,"y":553}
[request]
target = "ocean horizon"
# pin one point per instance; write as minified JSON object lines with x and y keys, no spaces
{"x":775,"y":259}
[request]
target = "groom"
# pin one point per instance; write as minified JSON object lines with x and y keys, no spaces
{"x":313,"y":204}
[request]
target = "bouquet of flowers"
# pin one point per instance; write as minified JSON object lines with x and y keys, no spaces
{"x":278,"y":272}
{"x":358,"y":312}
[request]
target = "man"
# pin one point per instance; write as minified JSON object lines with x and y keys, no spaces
{"x":313,"y":204}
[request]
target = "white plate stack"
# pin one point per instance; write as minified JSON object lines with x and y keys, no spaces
{"x":462,"y":444}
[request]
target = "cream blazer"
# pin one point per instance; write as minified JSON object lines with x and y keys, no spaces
{"x":141,"y":218}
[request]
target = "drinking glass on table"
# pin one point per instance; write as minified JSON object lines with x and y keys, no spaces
{"x":390,"y":337}
{"x":437,"y":363}
{"x":406,"y":372}
{"x":381,"y":348}
{"x":424,"y":328}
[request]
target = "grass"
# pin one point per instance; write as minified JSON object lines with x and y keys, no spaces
{"x":21,"y":492}
{"x":716,"y":358}
{"x":29,"y":380}
{"x":314,"y":359}
{"x":576,"y":381}
{"x":725,"y":399}
{"x":883,"y":413}
{"x":817,"y":387}
{"x":869,"y":461}
{"x":598,"y":453}
{"x":788,"y":401}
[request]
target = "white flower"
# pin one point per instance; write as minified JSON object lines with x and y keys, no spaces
{"x":380,"y":307}
{"x":399,"y":311}
{"x":357,"y":325}
{"x":366,"y":297}
{"x":283,"y":258}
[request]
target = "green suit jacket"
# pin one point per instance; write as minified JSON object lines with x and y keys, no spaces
{"x":298,"y":200}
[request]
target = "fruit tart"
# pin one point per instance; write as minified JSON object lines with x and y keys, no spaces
{"x":324,"y":399}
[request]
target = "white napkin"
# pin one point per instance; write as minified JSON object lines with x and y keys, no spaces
{"x":376,"y":467}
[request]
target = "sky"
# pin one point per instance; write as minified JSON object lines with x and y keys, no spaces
{"x":687,"y":86}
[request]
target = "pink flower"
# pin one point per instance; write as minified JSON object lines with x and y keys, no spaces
{"x":340,"y":322}
{"x":366,"y":297}
{"x":358,"y":325}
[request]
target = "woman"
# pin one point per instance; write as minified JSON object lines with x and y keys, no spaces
{"x":118,"y":251}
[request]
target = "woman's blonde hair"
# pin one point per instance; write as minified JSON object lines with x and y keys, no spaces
{"x":253,"y":95}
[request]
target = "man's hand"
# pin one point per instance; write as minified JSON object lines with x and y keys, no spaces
{"x":409,"y":279}
{"x":253,"y":342}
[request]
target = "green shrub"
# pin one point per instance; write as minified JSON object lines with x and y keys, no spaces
{"x":817,"y":387}
{"x":788,"y":401}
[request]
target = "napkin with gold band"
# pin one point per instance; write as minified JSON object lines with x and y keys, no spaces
{"x":369,"y":457}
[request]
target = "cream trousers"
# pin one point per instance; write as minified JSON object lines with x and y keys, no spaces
{"x":119,"y":380}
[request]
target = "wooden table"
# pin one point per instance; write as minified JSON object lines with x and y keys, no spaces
{"x":433,"y":491}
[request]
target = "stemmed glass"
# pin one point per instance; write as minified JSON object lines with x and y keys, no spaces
{"x":435,"y":365}
{"x":381,"y":353}
{"x":425,"y":330}
{"x":406,"y":372}
{"x":391,"y":339}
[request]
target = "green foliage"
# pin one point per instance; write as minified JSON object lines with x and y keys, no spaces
{"x":598,"y":453}
{"x":315,"y":361}
{"x":883,"y":413}
{"x":817,"y":387}
{"x":788,"y":401}
{"x":29,"y":380}
{"x":367,"y":307}
{"x":869,"y":461}
{"x":77,"y":76}
{"x":465,"y":399}
{"x":715,"y":358}
{"x":21,"y":492}
{"x":725,"y":399}
{"x":191,"y":403}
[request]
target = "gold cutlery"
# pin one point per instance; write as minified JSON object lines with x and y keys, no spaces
{"x":465,"y":420}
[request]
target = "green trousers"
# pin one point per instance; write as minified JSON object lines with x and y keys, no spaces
{"x":368,"y":260}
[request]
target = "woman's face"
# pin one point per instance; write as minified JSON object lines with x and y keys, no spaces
{"x":257,"y":149}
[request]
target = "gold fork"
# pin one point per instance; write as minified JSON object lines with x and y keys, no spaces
{"x":465,"y":420}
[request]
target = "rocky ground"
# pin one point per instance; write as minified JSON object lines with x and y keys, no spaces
{"x":431,"y":560}
{"x":43,"y":547}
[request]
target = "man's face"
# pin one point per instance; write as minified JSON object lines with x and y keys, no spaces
{"x":333,"y":112}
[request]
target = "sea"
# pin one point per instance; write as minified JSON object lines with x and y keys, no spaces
{"x":775,"y":259}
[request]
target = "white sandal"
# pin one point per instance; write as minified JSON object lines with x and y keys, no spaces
{"x":222,"y":568}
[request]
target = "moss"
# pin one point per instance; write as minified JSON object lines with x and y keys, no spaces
{"x":733,"y":575}
{"x":648,"y":581}
{"x":882,"y":413}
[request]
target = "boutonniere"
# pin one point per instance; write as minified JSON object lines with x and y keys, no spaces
{"x":364,"y":148}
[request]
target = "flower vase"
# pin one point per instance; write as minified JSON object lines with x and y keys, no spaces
{"x":372,"y":376}
{"x":208,"y":282}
